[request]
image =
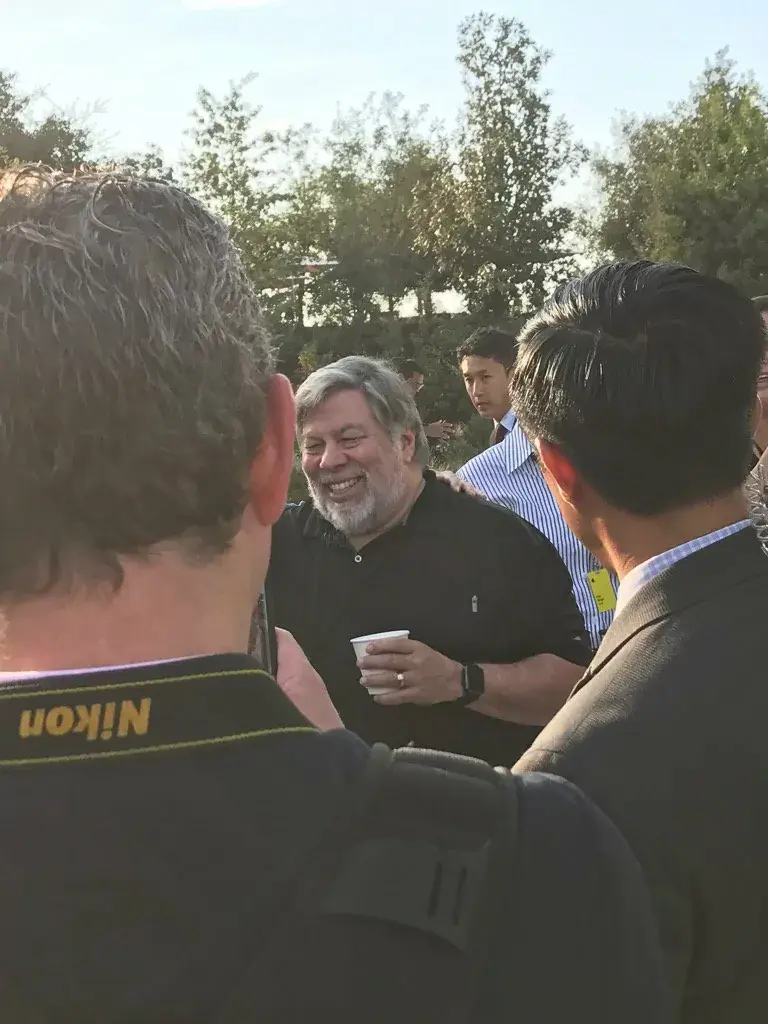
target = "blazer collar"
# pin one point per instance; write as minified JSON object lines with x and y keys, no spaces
{"x":693,"y":580}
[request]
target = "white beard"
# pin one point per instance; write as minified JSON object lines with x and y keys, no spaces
{"x":370,"y":513}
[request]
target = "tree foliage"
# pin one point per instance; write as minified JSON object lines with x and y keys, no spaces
{"x":231,"y":166}
{"x":149,"y":164}
{"x":56,"y":140}
{"x":512,"y":153}
{"x":351,"y":234}
{"x":692,"y":186}
{"x":374,"y":182}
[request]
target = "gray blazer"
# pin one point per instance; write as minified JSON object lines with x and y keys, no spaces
{"x":668,"y":733}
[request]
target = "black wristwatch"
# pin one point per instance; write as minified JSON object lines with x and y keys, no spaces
{"x":472,"y":685}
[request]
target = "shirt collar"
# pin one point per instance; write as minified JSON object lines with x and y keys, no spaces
{"x":648,"y":570}
{"x":508,"y":420}
{"x":516,"y":448}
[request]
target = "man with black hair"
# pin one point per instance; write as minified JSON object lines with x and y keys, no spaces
{"x":509,"y":475}
{"x":413,"y":375}
{"x":486,"y":359}
{"x":637,"y":387}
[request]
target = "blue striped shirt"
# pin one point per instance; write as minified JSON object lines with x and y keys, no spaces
{"x":637,"y":578}
{"x":508,"y":474}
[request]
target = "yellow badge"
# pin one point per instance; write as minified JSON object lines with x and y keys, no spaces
{"x":602,"y":590}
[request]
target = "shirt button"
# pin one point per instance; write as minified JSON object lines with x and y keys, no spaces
{"x":358,"y":558}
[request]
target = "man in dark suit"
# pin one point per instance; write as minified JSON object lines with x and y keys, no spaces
{"x":637,"y":386}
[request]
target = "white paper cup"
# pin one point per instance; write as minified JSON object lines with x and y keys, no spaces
{"x":360,"y":643}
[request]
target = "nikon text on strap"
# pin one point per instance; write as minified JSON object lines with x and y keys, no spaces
{"x":100,"y":717}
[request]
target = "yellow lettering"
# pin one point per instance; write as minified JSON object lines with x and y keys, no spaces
{"x":31,"y":726}
{"x":59,"y":721}
{"x":108,"y":722}
{"x":88,"y":720}
{"x":133,"y":718}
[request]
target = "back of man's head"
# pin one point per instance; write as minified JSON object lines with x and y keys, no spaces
{"x":133,"y":379}
{"x":643,"y":375}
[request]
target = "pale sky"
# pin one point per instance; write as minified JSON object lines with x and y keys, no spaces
{"x":144,"y":59}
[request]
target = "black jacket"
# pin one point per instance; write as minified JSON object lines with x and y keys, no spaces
{"x":143,"y":868}
{"x":666,"y":733}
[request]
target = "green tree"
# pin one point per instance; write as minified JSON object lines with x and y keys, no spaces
{"x":149,"y":164}
{"x":376,"y":179}
{"x":692,"y":186}
{"x":418,"y":185}
{"x":56,"y":140}
{"x":506,"y":229}
{"x":231,"y":165}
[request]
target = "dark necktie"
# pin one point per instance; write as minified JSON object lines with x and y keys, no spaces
{"x":498,"y":434}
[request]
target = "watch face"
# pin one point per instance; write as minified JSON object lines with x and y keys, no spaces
{"x":475,"y":680}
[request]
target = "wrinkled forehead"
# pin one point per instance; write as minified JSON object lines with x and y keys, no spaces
{"x":340,"y":412}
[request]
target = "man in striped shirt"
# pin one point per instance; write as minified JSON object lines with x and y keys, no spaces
{"x":508,"y":474}
{"x":486,"y":359}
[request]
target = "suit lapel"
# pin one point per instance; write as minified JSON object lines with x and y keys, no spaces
{"x":693,"y":580}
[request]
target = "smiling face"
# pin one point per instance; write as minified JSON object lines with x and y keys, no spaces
{"x":357,"y":475}
{"x":487,"y":384}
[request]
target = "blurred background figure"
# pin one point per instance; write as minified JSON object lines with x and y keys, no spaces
{"x":413,"y":375}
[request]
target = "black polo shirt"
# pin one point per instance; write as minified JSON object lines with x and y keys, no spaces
{"x":469,"y":579}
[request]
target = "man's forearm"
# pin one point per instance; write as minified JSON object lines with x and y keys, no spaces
{"x":529,"y":692}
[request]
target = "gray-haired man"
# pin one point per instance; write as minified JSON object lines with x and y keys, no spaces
{"x":496,"y":640}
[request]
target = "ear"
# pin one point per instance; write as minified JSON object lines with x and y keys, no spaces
{"x":565,"y":479}
{"x":271,"y":469}
{"x":408,"y":445}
